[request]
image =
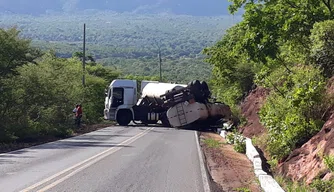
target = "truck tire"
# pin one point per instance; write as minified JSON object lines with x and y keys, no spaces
{"x":205,"y":90}
{"x":124,"y":117}
{"x":197,"y":84}
{"x":204,"y":86}
{"x":165,"y":123}
{"x":196,"y":90}
{"x":164,"y":120}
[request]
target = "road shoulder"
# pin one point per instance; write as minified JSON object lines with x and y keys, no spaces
{"x":229,"y":170}
{"x":9,"y":147}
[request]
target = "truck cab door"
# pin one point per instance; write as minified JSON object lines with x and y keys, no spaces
{"x":130,"y":97}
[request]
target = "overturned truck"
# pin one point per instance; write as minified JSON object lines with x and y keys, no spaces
{"x":174,"y":105}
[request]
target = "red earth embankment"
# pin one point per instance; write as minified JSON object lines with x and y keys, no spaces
{"x":304,"y":163}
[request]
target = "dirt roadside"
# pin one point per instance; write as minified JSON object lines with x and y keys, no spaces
{"x":230,"y":170}
{"x":7,"y":147}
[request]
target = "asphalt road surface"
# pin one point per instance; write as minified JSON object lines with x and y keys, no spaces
{"x":112,"y":159}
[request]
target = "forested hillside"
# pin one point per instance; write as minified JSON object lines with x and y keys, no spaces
{"x":286,"y":47}
{"x":40,"y":90}
{"x":184,"y":7}
{"x":41,"y":69}
{"x":128,"y":42}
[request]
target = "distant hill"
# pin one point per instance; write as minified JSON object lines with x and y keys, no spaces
{"x":183,"y":7}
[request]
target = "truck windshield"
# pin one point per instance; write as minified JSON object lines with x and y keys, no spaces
{"x":117,"y":97}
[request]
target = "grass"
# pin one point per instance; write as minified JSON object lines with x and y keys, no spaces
{"x":212,"y":143}
{"x":290,"y":186}
{"x":243,"y":189}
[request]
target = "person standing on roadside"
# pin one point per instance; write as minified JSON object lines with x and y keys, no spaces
{"x":74,"y":114}
{"x":75,"y":109}
{"x":78,"y":115}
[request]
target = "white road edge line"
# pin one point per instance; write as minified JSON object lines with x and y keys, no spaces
{"x":201,"y":162}
{"x":102,"y":154}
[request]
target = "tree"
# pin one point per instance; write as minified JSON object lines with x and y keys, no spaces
{"x":322,"y":52}
{"x":14,"y":52}
{"x":271,"y":24}
{"x":232,"y":75}
{"x":89,"y":58}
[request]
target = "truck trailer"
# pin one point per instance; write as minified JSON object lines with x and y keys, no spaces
{"x":174,"y":105}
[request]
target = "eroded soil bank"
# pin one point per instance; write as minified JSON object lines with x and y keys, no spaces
{"x":230,"y":170}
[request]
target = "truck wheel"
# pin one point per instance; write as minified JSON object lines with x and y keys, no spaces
{"x":124,"y":117}
{"x":205,"y":90}
{"x":197,"y":84}
{"x":196,"y":90}
{"x":164,"y":120}
{"x":205,"y":86}
{"x":165,"y":123}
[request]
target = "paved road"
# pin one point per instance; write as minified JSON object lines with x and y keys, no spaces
{"x":112,"y":159}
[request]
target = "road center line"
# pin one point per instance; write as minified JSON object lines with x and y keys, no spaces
{"x":90,"y":161}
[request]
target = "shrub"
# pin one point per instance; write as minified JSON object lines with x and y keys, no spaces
{"x":291,"y":115}
{"x":238,"y":141}
{"x":93,"y":102}
{"x":46,"y":93}
{"x":323,"y":186}
{"x":329,"y":162}
{"x":322,"y":41}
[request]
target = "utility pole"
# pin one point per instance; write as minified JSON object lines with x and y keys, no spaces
{"x":158,"y":44}
{"x":84,"y":55}
{"x":160,"y":63}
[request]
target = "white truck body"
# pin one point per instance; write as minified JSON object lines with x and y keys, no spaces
{"x":127,"y":90}
{"x":186,"y":113}
{"x":155,"y":89}
{"x":175,"y":104}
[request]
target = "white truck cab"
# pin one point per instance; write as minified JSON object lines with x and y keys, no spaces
{"x":121,"y":94}
{"x":122,"y":103}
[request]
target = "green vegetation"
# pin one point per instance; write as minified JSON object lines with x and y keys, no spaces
{"x":238,"y":141}
{"x":292,"y":115}
{"x":41,"y":78}
{"x":182,"y":7}
{"x":329,"y":162}
{"x":290,"y":186}
{"x":243,"y":189}
{"x":285,"y":46}
{"x":323,"y":186}
{"x":129,"y":42}
{"x":322,"y":46}
{"x":212,"y":143}
{"x":232,"y":74}
{"x":40,"y":90}
{"x":317,"y":185}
